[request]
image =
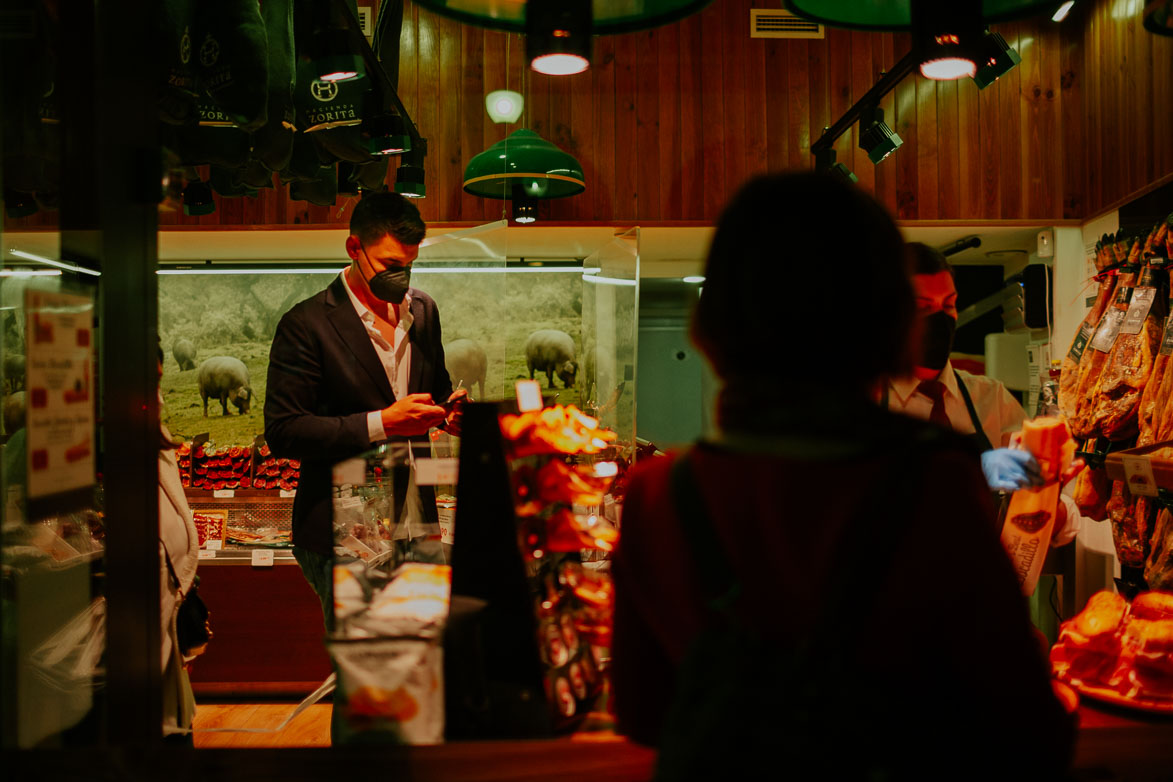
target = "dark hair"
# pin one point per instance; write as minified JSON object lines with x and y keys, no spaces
{"x":380,"y":214}
{"x":923,"y":259}
{"x":805,"y":281}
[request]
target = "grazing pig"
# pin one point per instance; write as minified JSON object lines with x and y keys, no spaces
{"x":184,"y":353}
{"x":466,"y":362}
{"x":552,"y":352}
{"x":225,"y":378}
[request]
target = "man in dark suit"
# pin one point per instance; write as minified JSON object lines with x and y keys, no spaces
{"x":357,"y":364}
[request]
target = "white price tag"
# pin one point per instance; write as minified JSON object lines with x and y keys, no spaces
{"x":288,"y":493}
{"x":436,"y":472}
{"x":262,"y":558}
{"x":214,"y":545}
{"x":207,"y":554}
{"x":529,"y":395}
{"x":1138,"y":473}
{"x":224,"y":494}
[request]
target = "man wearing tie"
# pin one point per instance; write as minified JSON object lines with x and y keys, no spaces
{"x":973,"y":405}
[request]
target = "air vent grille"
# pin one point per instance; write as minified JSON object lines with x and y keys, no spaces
{"x":776,"y":23}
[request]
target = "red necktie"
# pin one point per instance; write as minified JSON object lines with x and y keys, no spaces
{"x":935,"y":390}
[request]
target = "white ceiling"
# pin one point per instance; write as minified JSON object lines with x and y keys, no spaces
{"x":664,"y":252}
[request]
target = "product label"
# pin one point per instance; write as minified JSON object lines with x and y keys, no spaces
{"x":1109,"y":328}
{"x":262,"y":558}
{"x":1080,"y":344}
{"x":1138,"y":310}
{"x":207,"y":554}
{"x":224,"y":494}
{"x":436,"y":472}
{"x":1167,"y":340}
{"x":1138,"y":472}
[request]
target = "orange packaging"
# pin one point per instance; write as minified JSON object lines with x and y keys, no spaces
{"x":1030,"y":520}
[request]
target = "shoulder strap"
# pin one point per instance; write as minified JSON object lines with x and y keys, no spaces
{"x":979,"y":432}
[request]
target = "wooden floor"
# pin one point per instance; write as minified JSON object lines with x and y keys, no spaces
{"x":311,"y":728}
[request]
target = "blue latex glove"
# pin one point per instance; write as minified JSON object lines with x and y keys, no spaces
{"x":1007,"y":469}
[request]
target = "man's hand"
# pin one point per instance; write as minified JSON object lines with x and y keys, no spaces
{"x":412,"y":415}
{"x":455,"y":407}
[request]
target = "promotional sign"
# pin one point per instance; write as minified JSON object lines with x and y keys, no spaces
{"x":60,"y":393}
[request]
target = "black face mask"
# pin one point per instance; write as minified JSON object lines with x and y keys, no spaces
{"x":390,"y":285}
{"x":938,"y":340}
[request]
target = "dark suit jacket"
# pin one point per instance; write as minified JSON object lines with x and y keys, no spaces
{"x":324,"y":378}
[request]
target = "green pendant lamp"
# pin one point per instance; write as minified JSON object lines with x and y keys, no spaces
{"x":896,"y":15}
{"x":608,"y":18}
{"x":525,"y":160}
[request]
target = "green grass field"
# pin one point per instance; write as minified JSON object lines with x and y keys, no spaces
{"x":184,"y":411}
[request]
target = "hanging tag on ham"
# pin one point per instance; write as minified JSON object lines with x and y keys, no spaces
{"x":1138,"y":310}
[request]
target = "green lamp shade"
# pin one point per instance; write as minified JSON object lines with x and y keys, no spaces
{"x":18,"y":204}
{"x":1158,"y":17}
{"x":524,"y":160}
{"x":897,"y":14}
{"x":197,"y":199}
{"x":608,"y":18}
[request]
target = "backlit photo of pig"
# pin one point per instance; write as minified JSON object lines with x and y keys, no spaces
{"x":552,"y":352}
{"x":466,"y":363}
{"x":225,"y":378}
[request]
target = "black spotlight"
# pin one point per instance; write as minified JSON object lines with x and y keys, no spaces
{"x":334,"y":60}
{"x":875,"y":137}
{"x":386,"y":134}
{"x":946,"y":36}
{"x":825,"y":164}
{"x":525,"y":209}
{"x":996,"y":58}
{"x":17,"y":204}
{"x":197,"y":199}
{"x":558,"y":36}
{"x":409,"y":177}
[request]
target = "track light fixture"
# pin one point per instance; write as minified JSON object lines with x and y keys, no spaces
{"x":18,"y":204}
{"x":335,"y":60}
{"x":875,"y":137}
{"x":558,"y":36}
{"x":996,"y":58}
{"x":825,"y":164}
{"x":409,"y":177}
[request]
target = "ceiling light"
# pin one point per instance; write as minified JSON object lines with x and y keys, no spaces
{"x":525,"y":208}
{"x":875,"y":137}
{"x":897,"y":15}
{"x":386,"y":134}
{"x":558,"y":36}
{"x":996,"y":58}
{"x":527,"y":160}
{"x":30,"y":273}
{"x":409,"y":177}
{"x":335,"y":61}
{"x":504,"y":105}
{"x":825,"y":164}
{"x":693,"y":280}
{"x":1062,"y":11}
{"x":197,"y":199}
{"x":944,"y":36}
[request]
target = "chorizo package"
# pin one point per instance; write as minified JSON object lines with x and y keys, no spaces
{"x":390,"y":690}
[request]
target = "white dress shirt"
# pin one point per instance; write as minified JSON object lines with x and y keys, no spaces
{"x":396,"y":359}
{"x":999,"y":413}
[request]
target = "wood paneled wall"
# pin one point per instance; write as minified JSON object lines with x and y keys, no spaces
{"x":1127,"y":105}
{"x":667,"y":123}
